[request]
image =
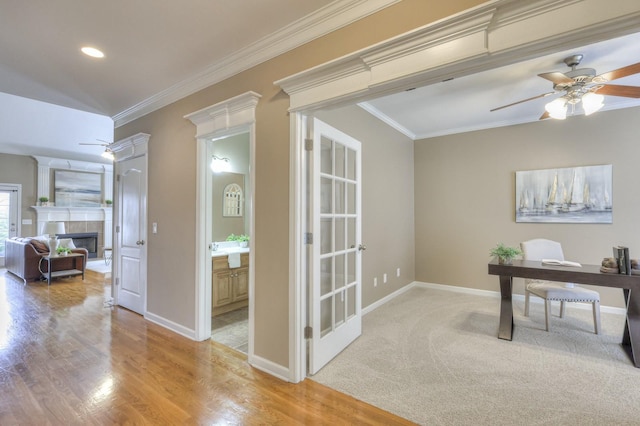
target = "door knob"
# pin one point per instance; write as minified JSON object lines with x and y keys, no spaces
{"x":140,"y":242}
{"x":362,"y":247}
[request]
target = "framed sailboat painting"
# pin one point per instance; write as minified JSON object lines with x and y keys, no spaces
{"x":567,"y":195}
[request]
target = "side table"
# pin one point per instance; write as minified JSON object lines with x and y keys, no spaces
{"x":108,"y":255}
{"x":78,"y":270}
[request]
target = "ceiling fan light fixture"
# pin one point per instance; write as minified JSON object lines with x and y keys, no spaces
{"x":557,"y":108}
{"x":108,"y":154}
{"x":592,"y":102}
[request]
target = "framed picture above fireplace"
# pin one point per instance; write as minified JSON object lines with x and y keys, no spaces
{"x":78,"y":189}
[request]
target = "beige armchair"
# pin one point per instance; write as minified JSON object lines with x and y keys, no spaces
{"x":539,"y":249}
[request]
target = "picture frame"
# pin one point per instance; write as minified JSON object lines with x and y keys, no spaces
{"x":565,"y":195}
{"x":77,"y":189}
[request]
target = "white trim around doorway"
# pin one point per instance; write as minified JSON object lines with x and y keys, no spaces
{"x":494,"y":34}
{"x":224,"y":119}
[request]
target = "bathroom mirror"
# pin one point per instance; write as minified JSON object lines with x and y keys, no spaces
{"x":228,"y":205}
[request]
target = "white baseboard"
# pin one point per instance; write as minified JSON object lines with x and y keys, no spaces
{"x":257,"y":362}
{"x":269,"y":367}
{"x":387,"y":298}
{"x":168,"y":324}
{"x":518,"y":297}
{"x":478,"y":292}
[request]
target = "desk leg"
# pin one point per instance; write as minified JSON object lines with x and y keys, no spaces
{"x":506,"y":309}
{"x":631,"y":336}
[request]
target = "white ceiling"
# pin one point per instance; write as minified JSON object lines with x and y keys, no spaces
{"x":150,"y":45}
{"x":153,"y":48}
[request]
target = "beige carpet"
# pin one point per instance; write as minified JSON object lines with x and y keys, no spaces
{"x":432,"y":356}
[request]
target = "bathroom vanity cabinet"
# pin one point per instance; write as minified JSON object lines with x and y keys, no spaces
{"x":230,"y":286}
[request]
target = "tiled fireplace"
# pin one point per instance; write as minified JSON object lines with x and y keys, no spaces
{"x":87,"y":240}
{"x":79,"y":220}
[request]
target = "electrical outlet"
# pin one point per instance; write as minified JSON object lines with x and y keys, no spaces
{"x":375,"y":281}
{"x":398,"y":272}
{"x":384,"y":278}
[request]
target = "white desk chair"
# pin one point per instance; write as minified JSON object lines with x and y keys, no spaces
{"x":539,"y":249}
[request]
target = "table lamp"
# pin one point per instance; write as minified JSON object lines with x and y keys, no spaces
{"x":54,"y":228}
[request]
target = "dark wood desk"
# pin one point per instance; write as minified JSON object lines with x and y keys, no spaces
{"x":587,"y":274}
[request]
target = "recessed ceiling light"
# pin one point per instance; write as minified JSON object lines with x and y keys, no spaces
{"x":93,"y":52}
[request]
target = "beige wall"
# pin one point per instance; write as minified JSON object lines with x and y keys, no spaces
{"x":23,"y":170}
{"x":172,"y":180}
{"x":387,"y":200}
{"x":465,"y":195}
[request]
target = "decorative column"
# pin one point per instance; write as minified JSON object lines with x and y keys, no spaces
{"x":43,"y":180}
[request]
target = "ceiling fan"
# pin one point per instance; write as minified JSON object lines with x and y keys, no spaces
{"x":108,"y":153}
{"x":582,"y":86}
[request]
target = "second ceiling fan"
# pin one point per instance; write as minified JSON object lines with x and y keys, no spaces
{"x":582,"y":85}
{"x":108,"y":153}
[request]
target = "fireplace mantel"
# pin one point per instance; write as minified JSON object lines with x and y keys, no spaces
{"x":72,"y":214}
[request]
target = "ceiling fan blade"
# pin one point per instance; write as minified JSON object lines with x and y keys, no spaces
{"x":544,"y":116}
{"x":620,"y":72}
{"x":524,"y":100}
{"x":617,"y":90}
{"x":556,"y":78}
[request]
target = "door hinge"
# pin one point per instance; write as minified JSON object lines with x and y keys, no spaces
{"x":117,"y":281}
{"x":308,"y":144}
{"x":308,"y":332}
{"x":117,"y":178}
{"x":117,"y":228}
{"x":308,"y":238}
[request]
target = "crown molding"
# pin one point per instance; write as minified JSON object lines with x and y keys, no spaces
{"x":64,"y":164}
{"x":387,"y":120}
{"x":336,"y":15}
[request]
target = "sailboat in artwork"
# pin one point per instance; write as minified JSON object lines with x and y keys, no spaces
{"x":574,"y":202}
{"x":586,"y":197}
{"x":552,"y":204}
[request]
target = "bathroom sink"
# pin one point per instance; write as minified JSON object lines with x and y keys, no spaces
{"x":236,"y":250}
{"x":228,"y":250}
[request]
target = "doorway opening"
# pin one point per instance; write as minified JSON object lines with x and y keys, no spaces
{"x":230,"y":218}
{"x":10,"y":199}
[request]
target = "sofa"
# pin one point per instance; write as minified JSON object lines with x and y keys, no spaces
{"x":23,"y":257}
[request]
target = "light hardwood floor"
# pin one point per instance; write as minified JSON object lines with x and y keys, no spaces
{"x":65,"y":358}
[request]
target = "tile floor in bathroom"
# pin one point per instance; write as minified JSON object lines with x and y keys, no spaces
{"x":231,"y":329}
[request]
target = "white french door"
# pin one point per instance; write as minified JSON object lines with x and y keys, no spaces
{"x":335,"y":217}
{"x":9,"y":215}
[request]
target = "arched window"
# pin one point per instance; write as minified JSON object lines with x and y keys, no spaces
{"x":232,"y":203}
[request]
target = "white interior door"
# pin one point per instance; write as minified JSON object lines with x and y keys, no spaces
{"x":336,"y":259}
{"x":131,"y":284}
